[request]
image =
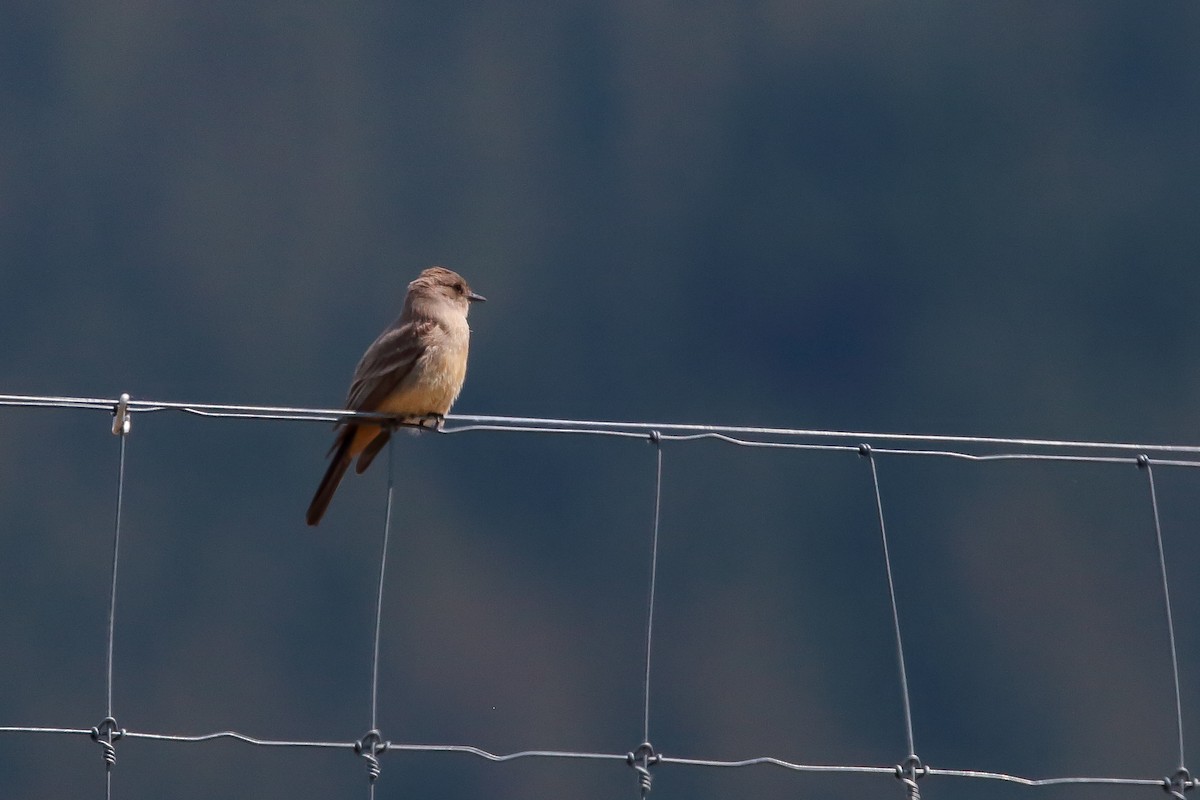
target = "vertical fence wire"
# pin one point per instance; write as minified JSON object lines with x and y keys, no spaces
{"x":107,"y":732}
{"x":911,"y":770}
{"x":383,"y":549}
{"x":1181,"y":780}
{"x":644,"y":756}
{"x":653,"y":584}
{"x":112,"y":595}
{"x":372,"y":743}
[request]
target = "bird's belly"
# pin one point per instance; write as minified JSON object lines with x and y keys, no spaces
{"x":432,"y":386}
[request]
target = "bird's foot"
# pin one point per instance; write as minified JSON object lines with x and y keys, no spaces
{"x":435,"y":421}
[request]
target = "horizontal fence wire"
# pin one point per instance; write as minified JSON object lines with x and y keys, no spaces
{"x":742,"y":435}
{"x":859,"y":443}
{"x":622,"y":757}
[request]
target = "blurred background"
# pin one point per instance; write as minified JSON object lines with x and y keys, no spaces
{"x":959,"y":218}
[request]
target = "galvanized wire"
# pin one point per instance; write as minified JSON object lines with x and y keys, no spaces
{"x":107,"y":732}
{"x":1145,"y":463}
{"x":670,"y":430}
{"x":372,"y":745}
{"x":658,"y":473}
{"x":469,"y":750}
{"x":911,"y":769}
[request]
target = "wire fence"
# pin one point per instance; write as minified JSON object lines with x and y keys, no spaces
{"x":643,"y":759}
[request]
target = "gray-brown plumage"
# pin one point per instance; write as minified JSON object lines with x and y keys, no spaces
{"x":414,"y":371}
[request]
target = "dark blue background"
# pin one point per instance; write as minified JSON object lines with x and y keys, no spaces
{"x":970,"y":218}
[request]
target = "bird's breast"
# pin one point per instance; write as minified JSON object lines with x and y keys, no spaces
{"x":436,"y":378}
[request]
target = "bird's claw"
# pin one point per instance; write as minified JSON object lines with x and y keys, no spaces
{"x":435,"y":421}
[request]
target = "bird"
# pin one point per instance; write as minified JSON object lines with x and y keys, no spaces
{"x":413,"y":371}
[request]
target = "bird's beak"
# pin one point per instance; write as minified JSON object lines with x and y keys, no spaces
{"x":475,"y":298}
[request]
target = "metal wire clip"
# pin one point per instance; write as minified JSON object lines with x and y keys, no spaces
{"x":121,"y":418}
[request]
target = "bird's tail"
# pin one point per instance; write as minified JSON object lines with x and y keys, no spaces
{"x":333,"y":477}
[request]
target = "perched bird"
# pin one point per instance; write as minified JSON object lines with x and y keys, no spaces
{"x":414,"y":371}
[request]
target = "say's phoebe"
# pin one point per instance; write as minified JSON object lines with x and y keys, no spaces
{"x":414,"y":370}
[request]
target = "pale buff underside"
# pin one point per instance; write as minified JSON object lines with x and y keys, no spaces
{"x":431,"y":388}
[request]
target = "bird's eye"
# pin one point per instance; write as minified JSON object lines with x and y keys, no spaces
{"x":458,"y":287}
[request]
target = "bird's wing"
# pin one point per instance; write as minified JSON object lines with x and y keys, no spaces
{"x":387,"y":362}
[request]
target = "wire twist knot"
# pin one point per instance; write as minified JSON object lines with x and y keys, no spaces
{"x":369,"y":747}
{"x":106,"y":733}
{"x":1179,"y":783}
{"x":641,"y":760}
{"x":909,"y":772}
{"x":121,"y":418}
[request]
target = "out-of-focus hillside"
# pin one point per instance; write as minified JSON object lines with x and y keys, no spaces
{"x":948,"y":218}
